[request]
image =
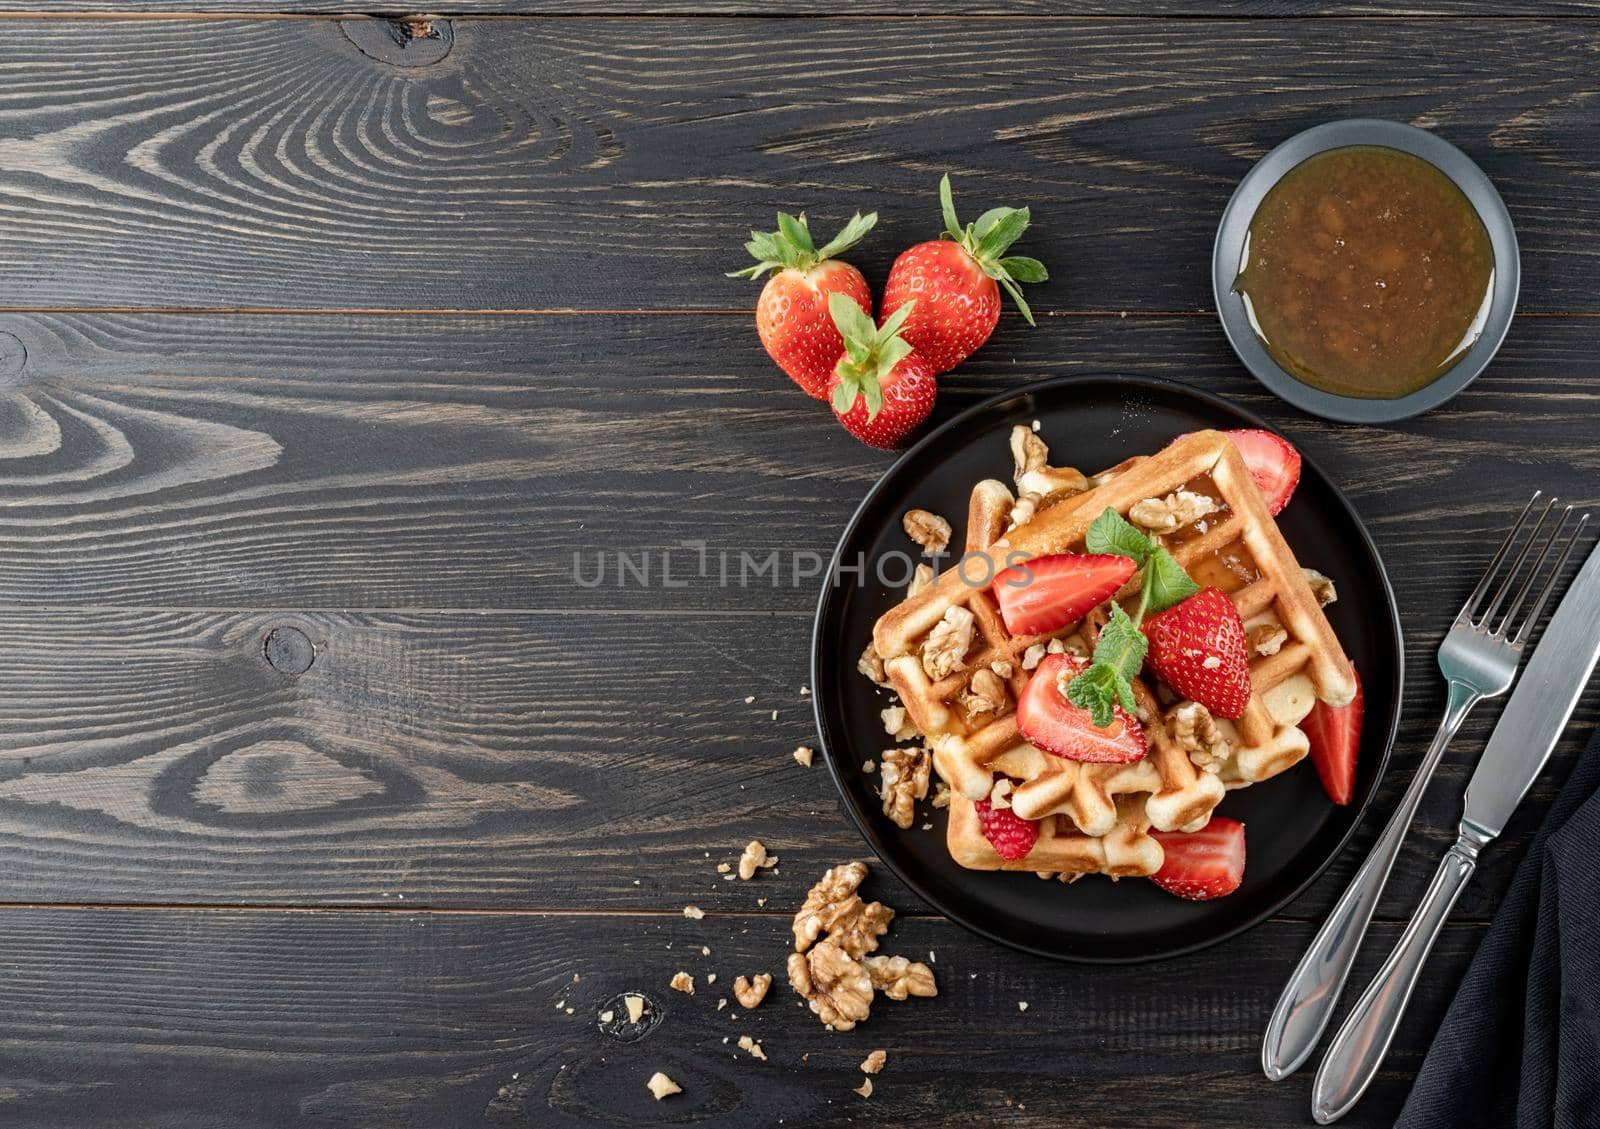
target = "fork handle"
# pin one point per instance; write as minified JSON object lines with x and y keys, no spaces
{"x":1361,"y":1044}
{"x":1303,"y":1011}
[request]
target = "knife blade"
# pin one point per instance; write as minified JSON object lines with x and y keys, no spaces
{"x":1540,"y":706}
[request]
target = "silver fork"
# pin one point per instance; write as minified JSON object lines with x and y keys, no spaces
{"x":1479,"y":658}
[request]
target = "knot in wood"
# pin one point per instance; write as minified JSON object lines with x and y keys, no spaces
{"x":288,"y":650}
{"x":414,"y":41}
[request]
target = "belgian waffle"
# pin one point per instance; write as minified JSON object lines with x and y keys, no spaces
{"x":1237,"y":548}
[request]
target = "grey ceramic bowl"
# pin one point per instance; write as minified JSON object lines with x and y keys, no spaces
{"x":1235,"y":226}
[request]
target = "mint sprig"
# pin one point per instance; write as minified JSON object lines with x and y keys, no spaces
{"x":1119,"y":654}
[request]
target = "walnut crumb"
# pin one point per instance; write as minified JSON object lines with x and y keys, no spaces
{"x":869,"y":767}
{"x":694,"y":913}
{"x":941,"y":795}
{"x":1022,"y":1005}
{"x":904,"y":781}
{"x":985,"y":694}
{"x":871,"y":665}
{"x":683,"y":982}
{"x":1001,"y":667}
{"x":662,"y":1086}
{"x":1169,"y":514}
{"x":711,"y":978}
{"x":723,"y":868}
{"x":1033,"y":656}
{"x":746,"y":1043}
{"x":874,"y":1062}
{"x":929,"y":530}
{"x":803,"y":755}
{"x":635,"y":1006}
{"x":1267,"y":638}
{"x":945,"y":651}
{"x":921,"y":581}
{"x":722,"y":1003}
{"x":607,"y":1016}
{"x":1321,"y":587}
{"x":898,"y":978}
{"x":751,"y":991}
{"x":865,"y":1089}
{"x":1197,"y":733}
{"x":895,"y":723}
{"x":755,"y":858}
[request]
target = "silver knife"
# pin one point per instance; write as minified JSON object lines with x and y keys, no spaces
{"x":1518,"y":749}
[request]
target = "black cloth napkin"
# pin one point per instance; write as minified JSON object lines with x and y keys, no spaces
{"x":1520,"y":1046}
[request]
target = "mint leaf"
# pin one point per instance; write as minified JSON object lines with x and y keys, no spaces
{"x":1110,"y":533}
{"x":1121,"y":647}
{"x":1165,"y":582}
{"x":1096,"y":690}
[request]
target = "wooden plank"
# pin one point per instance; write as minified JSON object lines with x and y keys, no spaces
{"x":369,"y":462}
{"x":261,"y":1020}
{"x":1031,"y":10}
{"x":598,"y":163}
{"x":467,"y":759}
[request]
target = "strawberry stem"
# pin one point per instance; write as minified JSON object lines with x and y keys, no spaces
{"x":989,"y":239}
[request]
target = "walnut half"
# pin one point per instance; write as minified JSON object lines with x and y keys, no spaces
{"x":897,"y":977}
{"x":1197,"y":732}
{"x":929,"y":530}
{"x":1321,"y":587}
{"x":835,"y":984}
{"x":1169,"y":514}
{"x":904,"y":781}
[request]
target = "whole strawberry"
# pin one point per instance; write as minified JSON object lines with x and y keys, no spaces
{"x":792,"y":314}
{"x":1198,"y":648}
{"x":881,"y":390}
{"x":956,"y":282}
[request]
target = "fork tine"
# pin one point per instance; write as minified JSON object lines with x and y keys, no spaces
{"x":1499,"y":556}
{"x":1515,"y":570}
{"x":1555,"y":574}
{"x":1537,"y":561}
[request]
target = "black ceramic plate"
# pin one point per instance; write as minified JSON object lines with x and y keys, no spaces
{"x":1292,"y":830}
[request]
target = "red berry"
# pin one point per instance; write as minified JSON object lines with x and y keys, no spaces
{"x":793,"y":316}
{"x":1047,"y":593}
{"x":1335,"y":737}
{"x":1048,"y":720}
{"x":956,"y":282}
{"x":1204,"y":864}
{"x":1273,"y":462}
{"x":1198,"y":648}
{"x":1011,"y":836}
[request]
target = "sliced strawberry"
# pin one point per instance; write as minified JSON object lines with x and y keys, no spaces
{"x":1198,"y":648}
{"x":1204,"y":864}
{"x":1335,"y":736}
{"x":1008,"y":833}
{"x":1049,"y":721}
{"x":1273,"y":463}
{"x":1047,"y":593}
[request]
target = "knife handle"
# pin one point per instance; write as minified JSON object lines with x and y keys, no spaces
{"x":1307,"y":1003}
{"x":1358,"y":1049}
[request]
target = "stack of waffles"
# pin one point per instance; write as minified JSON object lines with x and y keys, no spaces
{"x":946,"y":652}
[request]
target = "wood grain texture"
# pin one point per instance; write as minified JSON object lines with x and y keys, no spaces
{"x":598,"y":163}
{"x":1031,"y":10}
{"x":401,"y":1021}
{"x":467,"y":759}
{"x":369,"y":462}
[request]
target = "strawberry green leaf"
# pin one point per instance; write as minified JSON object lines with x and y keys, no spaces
{"x":985,"y":223}
{"x":952,"y":226}
{"x":848,"y":236}
{"x":1111,"y":533}
{"x":794,"y":230}
{"x":892,"y":353}
{"x":873,"y":391}
{"x":993,"y":243}
{"x":894,"y":321}
{"x":859,"y":352}
{"x":1165,"y":582}
{"x":844,"y":394}
{"x":1024,"y":269}
{"x":851,"y":319}
{"x":1016,"y":296}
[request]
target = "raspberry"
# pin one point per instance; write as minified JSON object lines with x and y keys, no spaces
{"x":1009,"y":834}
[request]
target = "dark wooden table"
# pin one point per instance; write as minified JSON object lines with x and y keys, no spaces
{"x":331,"y":341}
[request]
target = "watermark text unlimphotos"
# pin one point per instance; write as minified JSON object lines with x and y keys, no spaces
{"x":693,"y":561}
